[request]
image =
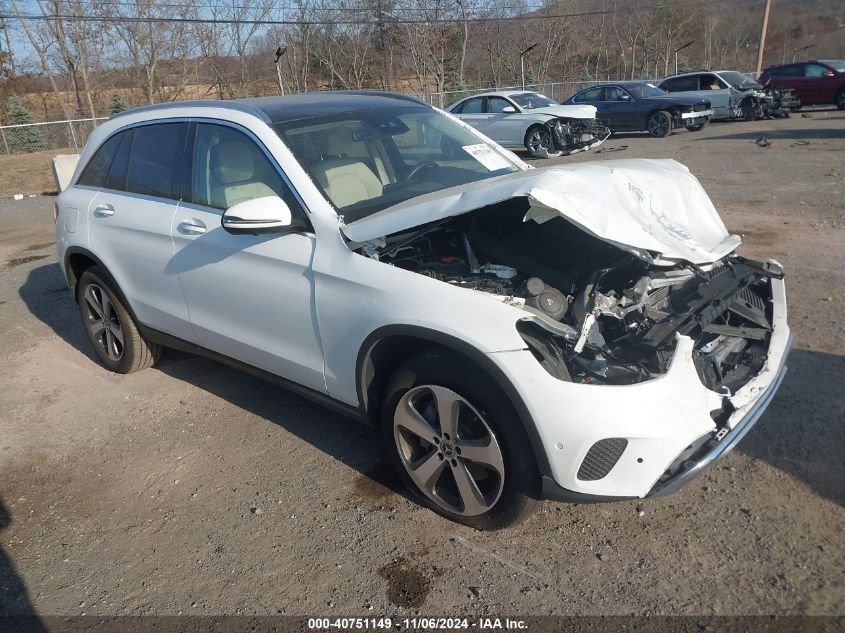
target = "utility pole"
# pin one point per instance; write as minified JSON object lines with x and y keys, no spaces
{"x":279,"y":52}
{"x":763,"y":29}
{"x":522,"y":62}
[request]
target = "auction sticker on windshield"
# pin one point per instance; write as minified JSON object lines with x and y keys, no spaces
{"x":485,"y":155}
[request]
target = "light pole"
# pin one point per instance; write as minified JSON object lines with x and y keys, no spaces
{"x":522,"y":62}
{"x":798,"y":50}
{"x":279,"y":52}
{"x":763,"y":28}
{"x":680,"y":49}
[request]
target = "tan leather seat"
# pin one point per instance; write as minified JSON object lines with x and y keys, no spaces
{"x":348,"y":181}
{"x":234,"y":175}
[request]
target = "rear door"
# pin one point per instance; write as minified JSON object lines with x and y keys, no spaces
{"x":251,"y":297}
{"x":791,"y":77}
{"x":130,"y":220}
{"x":472,"y":112}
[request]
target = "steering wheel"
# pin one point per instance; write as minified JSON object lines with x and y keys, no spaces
{"x":428,"y":164}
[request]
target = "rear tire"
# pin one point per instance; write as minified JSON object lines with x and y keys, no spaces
{"x":493,"y":489}
{"x":109,"y":326}
{"x":659,"y":124}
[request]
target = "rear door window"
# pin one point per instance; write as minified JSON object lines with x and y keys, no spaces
{"x":116,"y":178}
{"x":473,"y":106}
{"x":591,"y":94}
{"x":154,"y":160}
{"x":686,"y":84}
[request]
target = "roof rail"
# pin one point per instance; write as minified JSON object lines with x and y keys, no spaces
{"x":199,"y":103}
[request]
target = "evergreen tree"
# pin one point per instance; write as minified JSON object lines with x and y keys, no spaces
{"x":117,"y":103}
{"x":23,"y":139}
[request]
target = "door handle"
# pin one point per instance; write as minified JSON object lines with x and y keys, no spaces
{"x":104,"y":211}
{"x":191,"y":227}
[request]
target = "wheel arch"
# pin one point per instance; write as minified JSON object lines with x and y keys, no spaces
{"x":78,"y":260}
{"x":387,"y":347}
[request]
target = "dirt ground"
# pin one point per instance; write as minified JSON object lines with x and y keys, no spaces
{"x":28,"y":173}
{"x":194,"y":489}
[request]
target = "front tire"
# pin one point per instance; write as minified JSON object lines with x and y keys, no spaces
{"x":659,"y":124}
{"x":109,"y":326}
{"x":539,"y":142}
{"x":840,"y":99}
{"x":457,"y":442}
{"x":750,"y":110}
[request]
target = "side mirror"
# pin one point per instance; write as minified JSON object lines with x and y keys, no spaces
{"x":259,"y":215}
{"x":626,"y":97}
{"x":508,"y":109}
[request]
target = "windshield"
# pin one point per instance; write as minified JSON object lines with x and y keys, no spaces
{"x":364,"y":162}
{"x":738,"y":80}
{"x":531,"y":100}
{"x":645,"y":90}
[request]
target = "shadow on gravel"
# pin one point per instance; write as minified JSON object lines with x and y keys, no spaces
{"x":14,"y":596}
{"x":801,"y":432}
{"x":48,"y":298}
{"x":783,"y":135}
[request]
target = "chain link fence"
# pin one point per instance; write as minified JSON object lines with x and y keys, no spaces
{"x":34,"y":137}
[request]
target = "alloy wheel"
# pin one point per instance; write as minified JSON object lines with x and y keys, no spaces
{"x":103,"y":323}
{"x":657,"y":126}
{"x":448,"y":450}
{"x":540,"y":141}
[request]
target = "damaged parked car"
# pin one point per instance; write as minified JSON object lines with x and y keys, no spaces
{"x":637,"y":106}
{"x":517,"y":119}
{"x":580,"y":333}
{"x":733,"y":95}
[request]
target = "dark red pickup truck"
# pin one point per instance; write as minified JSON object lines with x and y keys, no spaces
{"x":816,"y":82}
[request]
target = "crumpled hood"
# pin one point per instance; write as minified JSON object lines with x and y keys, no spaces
{"x":567,"y":111}
{"x":654,"y":209}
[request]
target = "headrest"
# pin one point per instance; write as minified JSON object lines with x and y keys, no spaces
{"x":231,"y":162}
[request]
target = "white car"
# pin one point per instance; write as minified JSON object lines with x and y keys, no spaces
{"x":517,"y":119}
{"x":582,"y":333}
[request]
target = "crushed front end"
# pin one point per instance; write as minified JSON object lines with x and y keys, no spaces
{"x":577,"y":135}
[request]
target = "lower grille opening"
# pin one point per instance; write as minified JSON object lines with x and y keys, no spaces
{"x":601,"y":458}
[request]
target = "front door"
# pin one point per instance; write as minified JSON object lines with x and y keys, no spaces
{"x":250,"y":297}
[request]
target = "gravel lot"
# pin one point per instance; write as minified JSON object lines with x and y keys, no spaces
{"x":194,"y":489}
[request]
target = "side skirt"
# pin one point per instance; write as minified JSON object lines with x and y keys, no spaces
{"x":317,"y":397}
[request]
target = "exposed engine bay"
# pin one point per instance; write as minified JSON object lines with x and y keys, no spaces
{"x":572,"y":135}
{"x":595,"y":313}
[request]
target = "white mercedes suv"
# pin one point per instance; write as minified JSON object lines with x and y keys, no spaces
{"x":581,"y":333}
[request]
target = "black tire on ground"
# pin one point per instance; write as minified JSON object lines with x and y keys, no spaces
{"x":659,"y":124}
{"x":840,"y":99}
{"x":135,"y":352}
{"x":536,"y":150}
{"x":699,"y":126}
{"x":521,"y":476}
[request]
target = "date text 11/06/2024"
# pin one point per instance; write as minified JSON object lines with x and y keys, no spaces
{"x":420,"y":623}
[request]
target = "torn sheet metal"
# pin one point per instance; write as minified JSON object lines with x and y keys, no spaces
{"x":654,"y":209}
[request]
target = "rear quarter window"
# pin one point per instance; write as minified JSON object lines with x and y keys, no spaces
{"x":95,"y":172}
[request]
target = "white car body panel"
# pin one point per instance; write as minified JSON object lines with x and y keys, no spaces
{"x":310,"y":302}
{"x":643,"y":206}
